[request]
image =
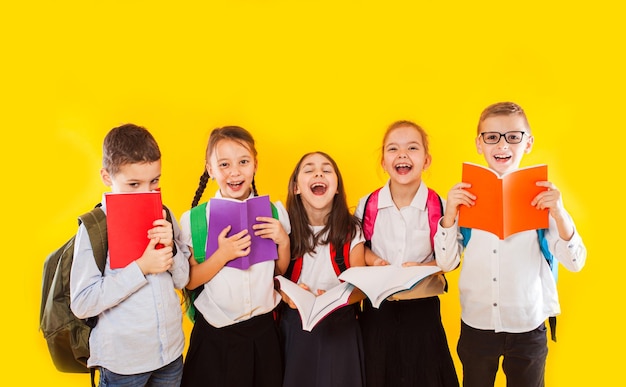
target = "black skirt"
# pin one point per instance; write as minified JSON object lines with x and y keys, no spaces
{"x":405,"y":345}
{"x":331,"y":355}
{"x":246,"y":354}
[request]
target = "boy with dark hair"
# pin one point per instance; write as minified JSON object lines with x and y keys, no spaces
{"x":138,"y":339}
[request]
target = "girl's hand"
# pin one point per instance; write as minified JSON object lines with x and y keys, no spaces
{"x":235,"y":246}
{"x":288,"y":300}
{"x":271,"y":228}
{"x":457,"y":197}
{"x":163,"y":230}
{"x":550,"y":199}
{"x":380,"y":262}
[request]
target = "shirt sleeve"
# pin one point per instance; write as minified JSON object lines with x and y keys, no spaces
{"x":283,"y":216}
{"x":91,"y":293}
{"x":180,"y":268}
{"x":448,"y":247}
{"x":572,"y":254}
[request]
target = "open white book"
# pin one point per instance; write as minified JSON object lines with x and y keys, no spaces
{"x":313,"y":308}
{"x":397,"y":283}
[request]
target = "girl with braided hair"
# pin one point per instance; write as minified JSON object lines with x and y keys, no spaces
{"x":234,"y":341}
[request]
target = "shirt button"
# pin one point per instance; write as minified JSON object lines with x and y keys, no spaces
{"x":443,"y":248}
{"x":494,"y":279}
{"x":494,"y":251}
{"x":495,"y":304}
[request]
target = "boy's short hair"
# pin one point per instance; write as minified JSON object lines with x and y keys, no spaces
{"x":128,"y":144}
{"x":502,"y":109}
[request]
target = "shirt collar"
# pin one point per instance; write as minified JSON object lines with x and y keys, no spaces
{"x":419,"y":201}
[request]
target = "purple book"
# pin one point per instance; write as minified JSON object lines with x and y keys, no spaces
{"x":241,"y":215}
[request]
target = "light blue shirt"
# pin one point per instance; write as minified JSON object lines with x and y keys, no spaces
{"x":139,"y":317}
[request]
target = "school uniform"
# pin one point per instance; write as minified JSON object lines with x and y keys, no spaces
{"x":507,"y":291}
{"x":234,"y":341}
{"x":332,"y":353}
{"x":139,"y":327}
{"x":404,"y":340}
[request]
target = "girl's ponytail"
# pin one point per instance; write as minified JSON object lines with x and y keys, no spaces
{"x":201,"y":186}
{"x":254,"y":191}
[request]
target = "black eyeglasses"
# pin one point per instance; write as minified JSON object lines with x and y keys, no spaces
{"x":514,"y":137}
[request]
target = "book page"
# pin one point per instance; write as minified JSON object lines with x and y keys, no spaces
{"x":380,"y":282}
{"x":312,"y":308}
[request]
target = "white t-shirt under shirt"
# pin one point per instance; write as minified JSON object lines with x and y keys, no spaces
{"x":234,"y":295}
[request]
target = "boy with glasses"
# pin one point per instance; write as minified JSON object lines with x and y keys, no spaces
{"x":506,"y":286}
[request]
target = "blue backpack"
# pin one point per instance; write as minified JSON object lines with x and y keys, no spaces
{"x":553,"y":263}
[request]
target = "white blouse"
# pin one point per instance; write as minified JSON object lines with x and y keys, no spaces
{"x":234,"y":295}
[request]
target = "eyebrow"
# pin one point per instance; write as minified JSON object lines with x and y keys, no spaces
{"x":310,"y":164}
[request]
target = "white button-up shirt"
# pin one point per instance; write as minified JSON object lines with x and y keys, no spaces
{"x":506,"y":285}
{"x":235,"y":295}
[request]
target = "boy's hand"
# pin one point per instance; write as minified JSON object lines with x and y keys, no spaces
{"x":234,"y":246}
{"x":163,"y":230}
{"x":155,"y":260}
{"x":550,"y":199}
{"x":271,"y":228}
{"x":458,"y":196}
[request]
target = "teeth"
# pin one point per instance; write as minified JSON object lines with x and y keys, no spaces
{"x":403,"y":166}
{"x":315,"y":185}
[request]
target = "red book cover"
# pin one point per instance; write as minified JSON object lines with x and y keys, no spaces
{"x":129,"y":217}
{"x":503,"y":202}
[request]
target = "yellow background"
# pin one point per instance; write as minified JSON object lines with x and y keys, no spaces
{"x":304,"y":76}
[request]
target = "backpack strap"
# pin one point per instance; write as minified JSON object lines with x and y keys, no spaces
{"x":199,"y":231}
{"x":434,"y":205}
{"x":96,"y":225}
{"x":370,"y":211}
{"x":337,"y":257}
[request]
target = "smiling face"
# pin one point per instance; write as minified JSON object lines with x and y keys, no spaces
{"x":233,"y":166}
{"x":405,"y":155}
{"x":503,"y":157}
{"x":316,"y":183}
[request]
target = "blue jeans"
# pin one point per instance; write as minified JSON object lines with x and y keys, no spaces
{"x":166,"y":376}
{"x":524,"y":356}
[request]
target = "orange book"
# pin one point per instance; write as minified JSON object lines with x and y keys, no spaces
{"x":503,"y":202}
{"x":129,"y":217}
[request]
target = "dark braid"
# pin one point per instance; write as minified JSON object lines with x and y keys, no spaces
{"x":254,"y":191}
{"x":201,"y":186}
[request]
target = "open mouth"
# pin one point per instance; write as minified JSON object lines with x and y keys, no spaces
{"x":403,"y":168}
{"x":318,"y":188}
{"x":235,"y":185}
{"x":502,"y":158}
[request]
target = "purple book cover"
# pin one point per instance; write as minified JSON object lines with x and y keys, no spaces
{"x":241,"y":215}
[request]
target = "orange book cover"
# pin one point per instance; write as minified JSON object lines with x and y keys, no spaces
{"x":503,"y":202}
{"x":129,"y":217}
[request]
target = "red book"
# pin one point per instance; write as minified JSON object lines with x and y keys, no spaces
{"x":129,"y":217}
{"x":503,"y":202}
